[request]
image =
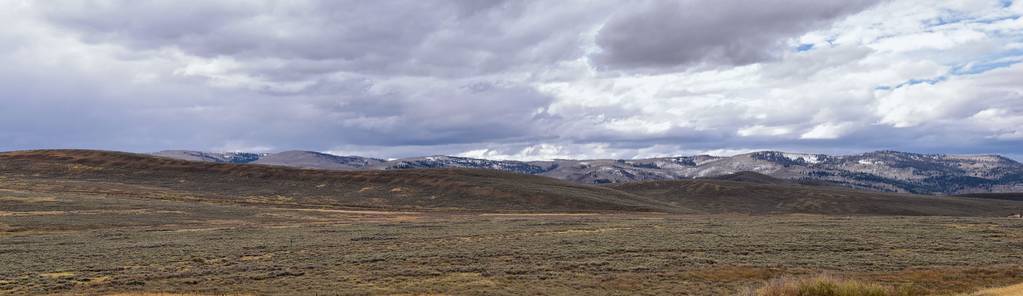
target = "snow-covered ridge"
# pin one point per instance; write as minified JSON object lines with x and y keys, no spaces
{"x":881,"y":170}
{"x":808,"y":158}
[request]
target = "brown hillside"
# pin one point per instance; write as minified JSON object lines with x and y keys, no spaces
{"x":724,"y":196}
{"x":451,"y":189}
{"x":1003,"y":196}
{"x":143,"y":176}
{"x":750,"y":177}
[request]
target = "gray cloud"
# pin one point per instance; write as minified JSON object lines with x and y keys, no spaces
{"x":659,"y":34}
{"x":443,"y":113}
{"x":402,"y":78}
{"x":429,"y":38}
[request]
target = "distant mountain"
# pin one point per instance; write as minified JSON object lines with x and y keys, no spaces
{"x":222,"y":157}
{"x":294,"y":158}
{"x":148,"y":177}
{"x":751,"y":178}
{"x":464,"y":162}
{"x":141,"y":176}
{"x":887,"y":171}
{"x":316,"y":160}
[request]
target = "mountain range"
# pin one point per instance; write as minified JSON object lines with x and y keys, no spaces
{"x":885,"y":171}
{"x":149,"y":178}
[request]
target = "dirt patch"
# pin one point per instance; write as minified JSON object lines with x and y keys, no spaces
{"x":96,"y":280}
{"x":168,"y":294}
{"x":579,"y":231}
{"x":200,"y":229}
{"x":32,"y":213}
{"x":54,"y":275}
{"x":536,"y":214}
{"x":86,"y":212}
{"x":360,"y":212}
{"x":29,"y":199}
{"x":256,"y":257}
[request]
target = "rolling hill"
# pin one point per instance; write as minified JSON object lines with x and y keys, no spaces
{"x":146,"y":176}
{"x":753,"y":193}
{"x":448,"y":189}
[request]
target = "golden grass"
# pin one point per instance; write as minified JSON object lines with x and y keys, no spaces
{"x":29,"y":199}
{"x":536,"y":214}
{"x":86,"y":212}
{"x":164,"y":294}
{"x":1014,"y":290}
{"x":954,"y":279}
{"x":457,"y":279}
{"x":54,"y":275}
{"x":360,"y":212}
{"x":98,"y":280}
{"x":826,"y":285}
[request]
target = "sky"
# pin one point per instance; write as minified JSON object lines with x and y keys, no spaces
{"x":521,"y":80}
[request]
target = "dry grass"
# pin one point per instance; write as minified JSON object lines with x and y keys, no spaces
{"x":215,"y":249}
{"x":135,"y":227}
{"x":1013,"y":290}
{"x":826,"y":285}
{"x":57,"y":274}
{"x":953,"y":279}
{"x":736,"y":273}
{"x":165,"y":294}
{"x":143,"y":176}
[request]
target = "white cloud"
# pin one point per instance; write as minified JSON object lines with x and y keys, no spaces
{"x":1002,"y":124}
{"x":760,"y":131}
{"x":954,"y":99}
{"x":827,"y":131}
{"x":517,"y":79}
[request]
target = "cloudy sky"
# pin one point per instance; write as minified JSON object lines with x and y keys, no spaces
{"x":514,"y":79}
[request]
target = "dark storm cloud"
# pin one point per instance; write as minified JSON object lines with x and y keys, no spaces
{"x":439,"y":113}
{"x":404,"y":37}
{"x":306,"y":74}
{"x":659,"y":34}
{"x":415,"y":77}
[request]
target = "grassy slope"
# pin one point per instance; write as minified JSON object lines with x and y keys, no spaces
{"x":1002,"y":196}
{"x":460,"y":189}
{"x":765,"y":197}
{"x":146,"y":176}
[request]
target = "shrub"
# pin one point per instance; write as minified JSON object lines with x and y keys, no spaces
{"x":826,"y":285}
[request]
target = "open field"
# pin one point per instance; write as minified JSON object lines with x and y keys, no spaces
{"x":97,"y":244}
{"x":89,"y":222}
